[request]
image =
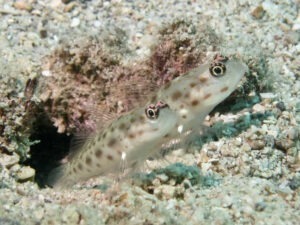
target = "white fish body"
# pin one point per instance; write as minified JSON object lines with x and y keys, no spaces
{"x":130,"y":139}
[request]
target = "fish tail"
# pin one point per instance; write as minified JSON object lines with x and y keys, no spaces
{"x":57,"y":178}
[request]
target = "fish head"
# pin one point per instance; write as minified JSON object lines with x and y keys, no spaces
{"x":193,"y":95}
{"x":153,"y":122}
{"x":219,"y":80}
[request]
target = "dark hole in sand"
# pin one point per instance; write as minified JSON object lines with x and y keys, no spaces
{"x":48,"y":153}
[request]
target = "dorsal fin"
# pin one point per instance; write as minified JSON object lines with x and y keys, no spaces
{"x":97,"y":122}
{"x":100,"y":117}
{"x":78,"y":141}
{"x":133,"y":92}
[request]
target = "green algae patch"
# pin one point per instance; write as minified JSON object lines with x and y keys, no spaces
{"x":177,"y":174}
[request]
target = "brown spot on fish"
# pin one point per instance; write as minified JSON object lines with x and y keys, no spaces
{"x":167,"y":85}
{"x":119,"y":152}
{"x":183,"y":116}
{"x":112,"y":129}
{"x":80,"y":156}
{"x":154,"y":98}
{"x":192,"y":84}
{"x":203,"y":79}
{"x":166,"y":135}
{"x":140,"y":132}
{"x":104,"y":135}
{"x":181,"y":106}
{"x":99,"y":138}
{"x":187,"y":95}
{"x":110,"y":157}
{"x":92,"y":143}
{"x":131,"y":135}
{"x":122,"y":126}
{"x":194,"y":102}
{"x":88,"y":161}
{"x":132,"y":120}
{"x":207,"y":96}
{"x":80,"y":167}
{"x":176,"y":95}
{"x":154,"y":129}
{"x":74,"y":170}
{"x":98,"y":165}
{"x":224,"y":89}
{"x":142,"y":119}
{"x":112,"y":142}
{"x":98,"y":153}
{"x":133,"y":164}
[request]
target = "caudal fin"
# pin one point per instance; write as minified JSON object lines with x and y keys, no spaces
{"x":57,"y":178}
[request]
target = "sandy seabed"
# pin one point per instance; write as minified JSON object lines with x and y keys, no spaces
{"x":255,"y":173}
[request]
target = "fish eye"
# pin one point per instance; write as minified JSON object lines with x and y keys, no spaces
{"x":217,"y":69}
{"x":152,"y":112}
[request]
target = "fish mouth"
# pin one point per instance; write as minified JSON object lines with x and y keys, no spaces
{"x":239,"y":69}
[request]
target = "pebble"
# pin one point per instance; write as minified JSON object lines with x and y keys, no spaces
{"x":97,"y":23}
{"x":168,"y":191}
{"x":260,"y":206}
{"x":9,"y":160}
{"x":69,"y":7}
{"x":281,"y":106}
{"x":75,"y":22}
{"x":297,"y":107}
{"x":296,"y":25}
{"x":22,"y":5}
{"x":271,"y":8}
{"x":293,"y":133}
{"x":66,"y":1}
{"x":284,"y":144}
{"x":205,"y":166}
{"x":39,"y":213}
{"x":286,"y":115}
{"x":70,"y":215}
{"x":256,"y":144}
{"x":212,"y":146}
{"x":259,"y":108}
{"x":292,"y":37}
{"x":229,"y":151}
{"x":227,"y":201}
{"x":267,"y":95}
{"x":55,"y":3}
{"x":162,"y":177}
{"x":294,"y":182}
{"x":258,"y":12}
{"x":46,"y":73}
{"x":246,"y":147}
{"x":43,"y":33}
{"x":164,"y":191}
{"x":25,"y":173}
{"x":15,"y":168}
